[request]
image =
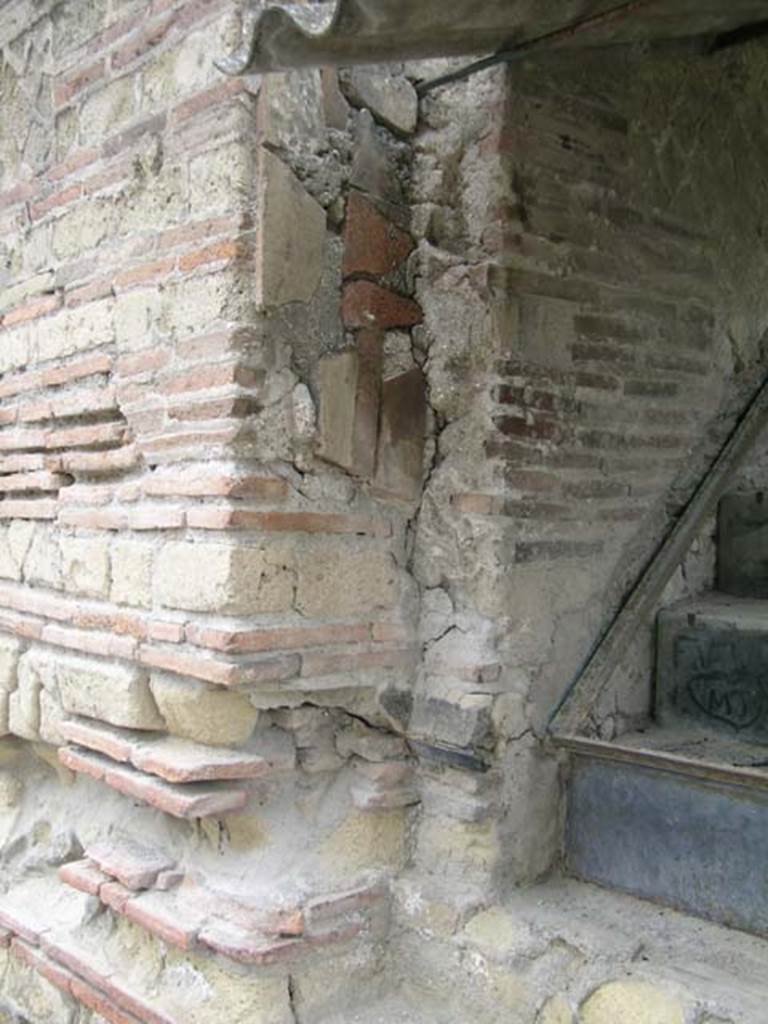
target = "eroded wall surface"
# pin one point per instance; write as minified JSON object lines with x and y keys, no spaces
{"x":333,"y":429}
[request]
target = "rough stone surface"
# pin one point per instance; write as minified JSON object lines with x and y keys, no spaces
{"x":203,"y":713}
{"x":635,"y":1002}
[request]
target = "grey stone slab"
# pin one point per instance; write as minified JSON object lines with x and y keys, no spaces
{"x":742,"y":545}
{"x":692,"y":845}
{"x":712,"y":665}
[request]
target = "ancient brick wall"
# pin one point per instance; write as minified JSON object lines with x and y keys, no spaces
{"x":211,"y":444}
{"x":593,"y":323}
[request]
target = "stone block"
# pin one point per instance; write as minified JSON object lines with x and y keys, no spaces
{"x":291,"y":242}
{"x":221,"y":179}
{"x":390,"y":98}
{"x":400,"y":452}
{"x":462,"y":722}
{"x":132,"y":563}
{"x":52,"y":715}
{"x":85,"y":565}
{"x":365,"y":304}
{"x":369,"y":578}
{"x":228,"y":579}
{"x":42,"y":564}
{"x":133,"y":864}
{"x":24,"y":706}
{"x":204,"y":713}
{"x":555,"y":1011}
{"x":632,"y":1002}
{"x":372,"y":243}
{"x":14,"y":545}
{"x":10,"y":650}
{"x":350,"y":386}
{"x":112,"y":692}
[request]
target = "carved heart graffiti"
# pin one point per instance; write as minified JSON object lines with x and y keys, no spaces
{"x":726,"y":700}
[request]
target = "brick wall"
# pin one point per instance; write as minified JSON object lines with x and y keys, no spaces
{"x":211,"y":445}
{"x":593,"y":325}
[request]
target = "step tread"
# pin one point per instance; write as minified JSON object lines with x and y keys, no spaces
{"x":717,"y":608}
{"x":685,"y":751}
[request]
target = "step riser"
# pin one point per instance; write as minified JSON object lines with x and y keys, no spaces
{"x":712,"y":674}
{"x":742,"y":545}
{"x":696,"y":846}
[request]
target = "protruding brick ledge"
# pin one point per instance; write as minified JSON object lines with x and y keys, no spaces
{"x":190,"y":800}
{"x":177,"y":760}
{"x":191,"y":916}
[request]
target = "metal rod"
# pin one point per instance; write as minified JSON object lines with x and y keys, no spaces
{"x":508,"y":55}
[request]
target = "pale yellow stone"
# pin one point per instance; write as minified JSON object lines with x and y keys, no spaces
{"x":291,"y":242}
{"x":369,"y":578}
{"x":498,"y":933}
{"x":135,"y":313}
{"x":632,"y":1002}
{"x":555,"y":1011}
{"x":10,"y":790}
{"x":43,"y":562}
{"x":112,"y":692}
{"x":466,"y":844}
{"x":106,"y":109}
{"x":228,"y":579}
{"x":246,"y":832}
{"x":207,"y":714}
{"x":220,"y":179}
{"x":132,"y":563}
{"x":363,"y":842}
{"x":85,"y":565}
{"x":24,"y":704}
{"x":10,"y":649}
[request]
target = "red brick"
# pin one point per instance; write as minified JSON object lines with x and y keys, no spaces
{"x":246,"y":947}
{"x":201,"y":484}
{"x":64,"y":90}
{"x":156,"y":518}
{"x":90,"y":402}
{"x":143,"y":362}
{"x":18,"y":194}
{"x":133,"y":865}
{"x":41,"y":964}
{"x":41,"y":481}
{"x":147,"y":272}
{"x":391,"y":632}
{"x":72,"y":164}
{"x":329,"y":664}
{"x":208,"y":98}
{"x":21,"y":440}
{"x":96,"y":463}
{"x":203,"y":230}
{"x":104,"y":645}
{"x":64,"y":198}
{"x":83,"y":764}
{"x":32,"y":310}
{"x":478,"y":504}
{"x":165,"y":632}
{"x":8,"y":416}
{"x":213,"y":518}
{"x":369,"y":305}
{"x":84,"y":875}
{"x":372,"y":243}
{"x":216,"y":253}
{"x":93,"y":518}
{"x":140,"y":42}
{"x":41,"y":509}
{"x":223,"y":673}
{"x":213,"y":376}
{"x":214,"y":409}
{"x":98,"y":1002}
{"x":198,"y":800}
{"x":236,"y":641}
{"x":19,"y":924}
{"x":98,"y":434}
{"x":88,"y":367}
{"x":102,"y":738}
{"x":34,"y":412}
{"x":162,"y":916}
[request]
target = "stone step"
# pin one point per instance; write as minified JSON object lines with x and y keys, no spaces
{"x":742,"y":545}
{"x":712,"y":654}
{"x":188,"y":800}
{"x":180,"y":760}
{"x":676,"y":816}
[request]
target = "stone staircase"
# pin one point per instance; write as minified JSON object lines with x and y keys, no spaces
{"x":678,"y":812}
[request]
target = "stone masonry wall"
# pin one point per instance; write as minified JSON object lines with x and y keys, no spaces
{"x":210,"y":452}
{"x":592,"y":276}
